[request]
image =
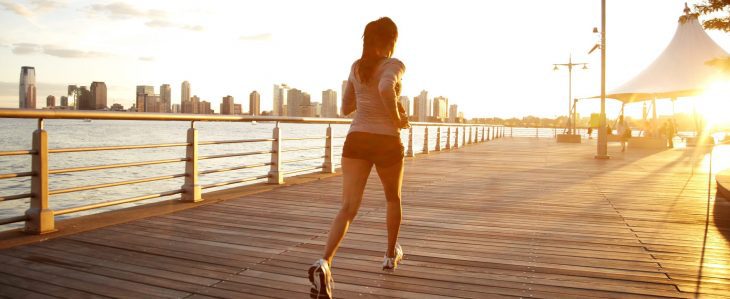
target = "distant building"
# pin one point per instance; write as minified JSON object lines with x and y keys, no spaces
{"x":27,"y":90}
{"x":64,"y":101}
{"x":50,"y":101}
{"x":406,"y":102}
{"x":175,"y":108}
{"x":116,"y":107}
{"x":166,"y":98}
{"x":421,"y":107}
{"x":185,"y":101}
{"x":203,"y":107}
{"x":280,"y":100}
{"x":152,"y":103}
{"x":254,"y":103}
{"x":98,"y":95}
{"x":453,"y":113}
{"x":317,"y":109}
{"x":237,"y":109}
{"x":440,"y":109}
{"x":329,"y":103}
{"x":144,"y":91}
{"x":73,"y":93}
{"x":227,"y":106}
{"x":84,"y":99}
{"x":195,"y":104}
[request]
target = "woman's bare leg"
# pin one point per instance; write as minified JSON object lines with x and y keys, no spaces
{"x":392,"y":179}
{"x":355,"y":173}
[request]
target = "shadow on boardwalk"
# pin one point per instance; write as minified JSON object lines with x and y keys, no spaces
{"x":515,"y":217}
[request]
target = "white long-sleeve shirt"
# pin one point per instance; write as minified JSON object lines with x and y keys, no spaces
{"x":376,"y":101}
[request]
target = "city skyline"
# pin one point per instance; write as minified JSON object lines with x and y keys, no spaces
{"x":467,"y":54}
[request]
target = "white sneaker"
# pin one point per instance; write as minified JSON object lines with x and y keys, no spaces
{"x":390,"y":263}
{"x":320,"y":276}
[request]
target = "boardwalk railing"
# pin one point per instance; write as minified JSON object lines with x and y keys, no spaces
{"x":40,"y":218}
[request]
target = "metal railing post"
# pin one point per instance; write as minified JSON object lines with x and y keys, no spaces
{"x":276,"y":176}
{"x":425,"y":140}
{"x":328,"y":166}
{"x":448,"y":138}
{"x":438,"y":139}
{"x":192,"y":191}
{"x":409,"y":153}
{"x":470,"y":134}
{"x":40,"y":218}
{"x":484,"y":130}
{"x":456,"y":138}
{"x":463,"y":137}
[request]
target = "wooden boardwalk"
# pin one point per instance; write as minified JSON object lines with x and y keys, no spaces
{"x":517,"y":217}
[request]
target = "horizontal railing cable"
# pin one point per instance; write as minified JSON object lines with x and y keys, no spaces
{"x":15,"y":175}
{"x":122,"y":183}
{"x":17,"y":153}
{"x":237,"y":181}
{"x":235,"y":168}
{"x":235,"y":141}
{"x":115,"y":202}
{"x":16,"y":196}
{"x":120,"y":165}
{"x":112,"y":148}
{"x":234,"y":155}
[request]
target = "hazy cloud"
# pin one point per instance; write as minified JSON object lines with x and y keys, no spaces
{"x":257,"y":37}
{"x":147,"y":58}
{"x":16,"y":8}
{"x":29,"y":48}
{"x":155,"y":18}
{"x":11,"y":88}
{"x":37,"y":6}
{"x":26,"y":49}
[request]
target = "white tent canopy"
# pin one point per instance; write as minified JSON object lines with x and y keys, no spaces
{"x":681,"y":70}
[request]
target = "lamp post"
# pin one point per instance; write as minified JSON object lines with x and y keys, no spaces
{"x":602,"y":144}
{"x":570,"y":66}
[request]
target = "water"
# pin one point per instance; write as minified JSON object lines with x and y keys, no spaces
{"x":16,"y":134}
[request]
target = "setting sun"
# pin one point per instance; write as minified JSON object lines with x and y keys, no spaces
{"x":711,"y":105}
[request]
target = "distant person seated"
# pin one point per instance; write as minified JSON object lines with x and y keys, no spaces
{"x":590,"y":132}
{"x":609,"y":131}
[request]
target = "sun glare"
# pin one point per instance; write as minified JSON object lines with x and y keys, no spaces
{"x":713,"y":102}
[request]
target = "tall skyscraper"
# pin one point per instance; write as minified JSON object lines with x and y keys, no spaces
{"x":27,"y":96}
{"x":406,"y":102}
{"x":280,"y":100}
{"x":440,"y":109}
{"x":166,"y":98}
{"x":329,"y":103}
{"x":50,"y":101}
{"x":64,"y":101}
{"x":421,"y":106}
{"x":227,"y":106}
{"x":143,"y":92}
{"x":195,"y":103}
{"x":254,"y":103}
{"x":185,"y":102}
{"x":84,"y":99}
{"x":453,"y":113}
{"x":98,"y":95}
{"x":297,"y":102}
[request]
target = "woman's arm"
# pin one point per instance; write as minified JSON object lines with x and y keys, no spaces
{"x":388,"y":87}
{"x":349,"y":104}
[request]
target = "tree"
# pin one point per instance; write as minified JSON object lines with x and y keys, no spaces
{"x":720,"y":9}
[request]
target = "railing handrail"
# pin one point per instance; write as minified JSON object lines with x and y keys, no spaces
{"x":117,"y":115}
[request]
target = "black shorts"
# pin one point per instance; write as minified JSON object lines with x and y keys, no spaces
{"x":382,"y":150}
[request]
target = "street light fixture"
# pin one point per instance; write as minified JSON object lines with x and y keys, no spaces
{"x":571,"y":111}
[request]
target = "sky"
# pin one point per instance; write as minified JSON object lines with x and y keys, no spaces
{"x":491,"y":58}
